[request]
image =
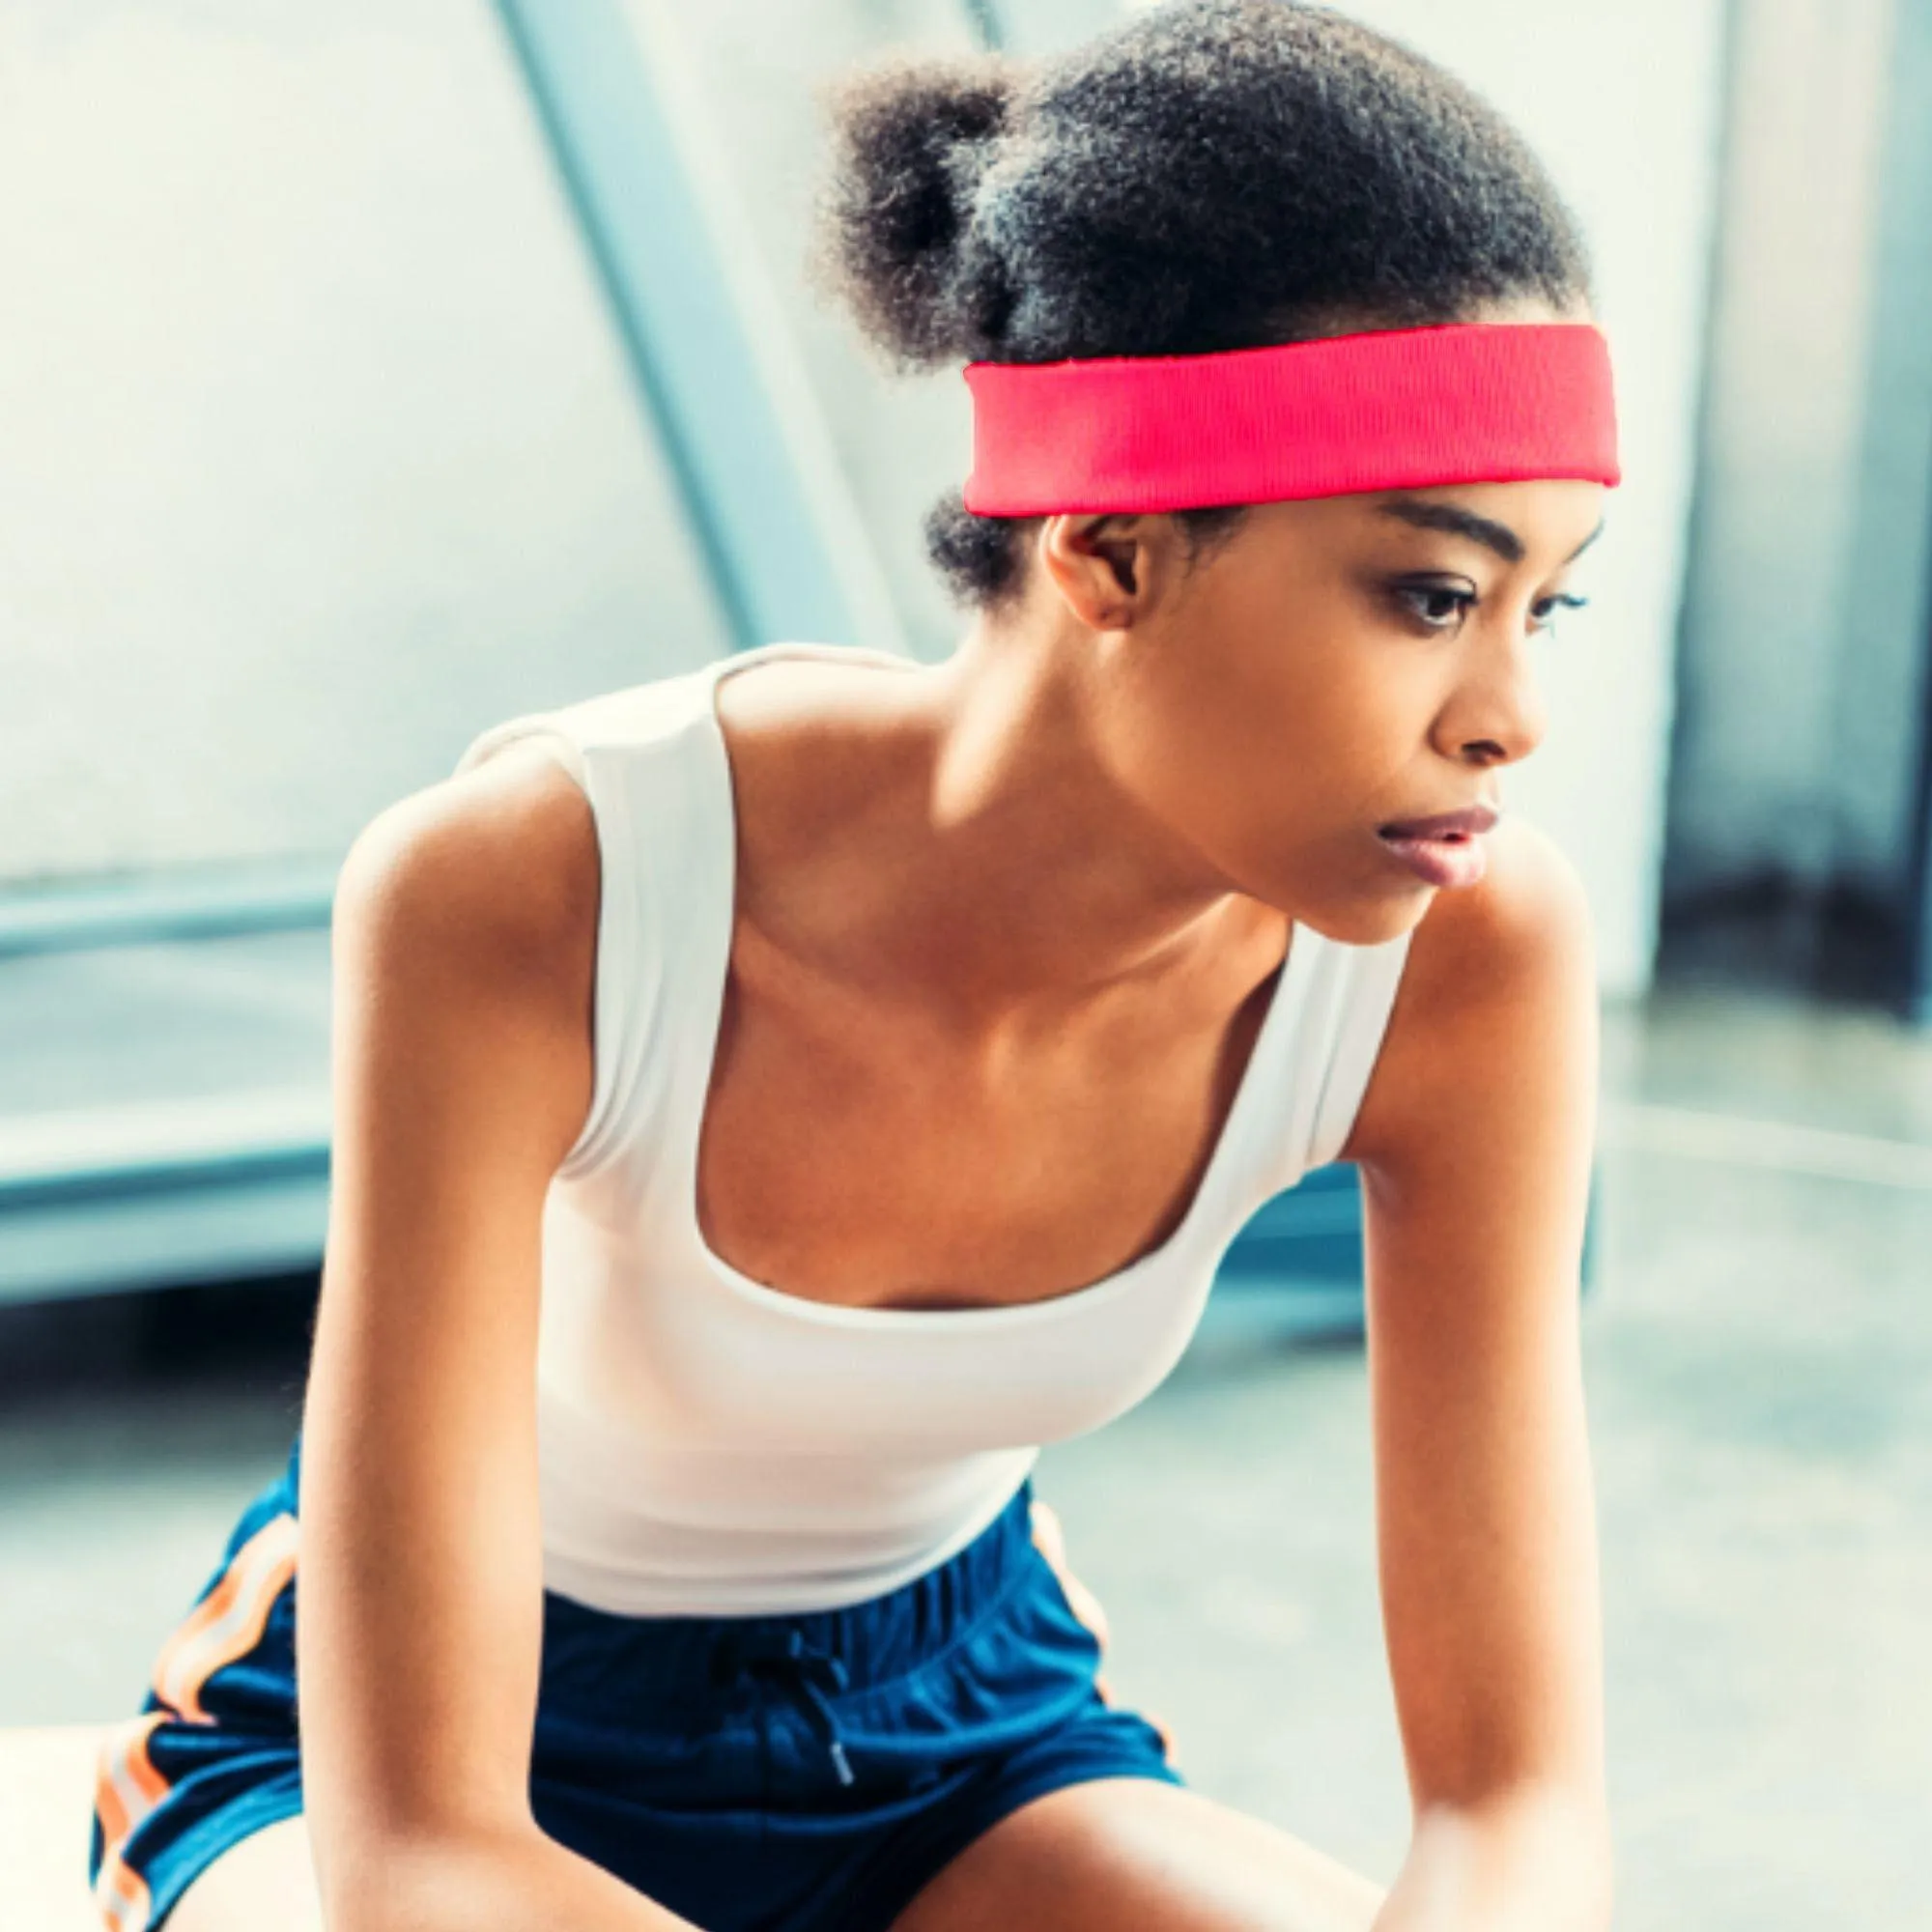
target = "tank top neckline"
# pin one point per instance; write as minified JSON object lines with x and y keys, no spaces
{"x":1171,"y":1253}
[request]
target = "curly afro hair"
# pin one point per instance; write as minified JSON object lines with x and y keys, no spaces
{"x":1213,"y":174}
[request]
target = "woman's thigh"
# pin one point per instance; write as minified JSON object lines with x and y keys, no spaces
{"x":1096,"y":1857}
{"x":1090,"y":1857}
{"x":265,"y":1880}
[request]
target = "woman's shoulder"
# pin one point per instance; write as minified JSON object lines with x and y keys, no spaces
{"x":1497,"y":975}
{"x":481,"y":887}
{"x":1525,"y":924}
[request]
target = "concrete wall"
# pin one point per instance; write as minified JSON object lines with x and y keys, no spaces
{"x":1884,"y":636}
{"x":319,"y":453}
{"x":1805,"y":640}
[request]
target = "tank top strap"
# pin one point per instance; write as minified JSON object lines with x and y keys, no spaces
{"x":650,"y":760}
{"x":1346,"y":995}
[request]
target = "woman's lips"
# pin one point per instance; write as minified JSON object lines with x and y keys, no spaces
{"x":1474,"y":820}
{"x":1446,"y":850}
{"x":1440,"y":862}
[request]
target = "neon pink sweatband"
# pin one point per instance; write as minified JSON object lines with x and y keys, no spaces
{"x":1394,"y":409}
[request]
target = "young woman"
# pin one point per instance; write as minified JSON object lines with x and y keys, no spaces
{"x":772,"y":1100}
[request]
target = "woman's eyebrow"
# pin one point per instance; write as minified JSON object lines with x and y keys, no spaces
{"x":1456,"y":522}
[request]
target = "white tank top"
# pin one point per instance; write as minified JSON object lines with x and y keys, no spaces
{"x":709,"y":1444}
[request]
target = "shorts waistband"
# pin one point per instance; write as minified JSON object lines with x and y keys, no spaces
{"x":872,"y":1642}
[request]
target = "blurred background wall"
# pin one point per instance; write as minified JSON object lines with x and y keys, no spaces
{"x":320,"y":450}
{"x":1794,"y":800}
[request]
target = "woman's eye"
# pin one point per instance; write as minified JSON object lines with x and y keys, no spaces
{"x":1439,"y":606}
{"x":1543,"y":612}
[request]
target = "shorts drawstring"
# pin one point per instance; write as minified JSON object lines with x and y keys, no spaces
{"x":805,"y":1674}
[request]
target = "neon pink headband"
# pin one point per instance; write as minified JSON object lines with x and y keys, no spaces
{"x":1397,"y":408}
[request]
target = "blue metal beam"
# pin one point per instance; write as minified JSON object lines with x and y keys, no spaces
{"x":180,"y":903}
{"x":690,"y":346}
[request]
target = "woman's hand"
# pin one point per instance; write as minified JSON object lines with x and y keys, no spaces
{"x":1531,"y":1864}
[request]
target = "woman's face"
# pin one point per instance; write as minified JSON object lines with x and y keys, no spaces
{"x":1338,"y":666}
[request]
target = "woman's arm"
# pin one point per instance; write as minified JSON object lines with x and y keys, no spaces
{"x":465,"y":947}
{"x":1474,"y":1143}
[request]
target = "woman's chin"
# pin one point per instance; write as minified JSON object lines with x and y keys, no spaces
{"x":1368,"y":921}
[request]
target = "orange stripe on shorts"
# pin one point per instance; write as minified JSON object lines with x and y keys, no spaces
{"x":228,"y":1622}
{"x":126,"y":1788}
{"x":123,"y":1897}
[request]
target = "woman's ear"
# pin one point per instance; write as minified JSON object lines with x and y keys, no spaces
{"x":1107,"y":568}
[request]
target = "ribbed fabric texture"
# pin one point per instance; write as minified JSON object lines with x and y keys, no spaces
{"x":1395,"y":409}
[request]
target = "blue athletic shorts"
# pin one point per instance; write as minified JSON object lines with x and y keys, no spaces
{"x":787,"y":1774}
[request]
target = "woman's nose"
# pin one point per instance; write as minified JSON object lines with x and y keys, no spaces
{"x":1498,"y":715}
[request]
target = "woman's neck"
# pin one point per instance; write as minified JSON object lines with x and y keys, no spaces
{"x":964,"y":836}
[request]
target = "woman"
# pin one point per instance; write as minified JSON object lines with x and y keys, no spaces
{"x":668,"y":1556}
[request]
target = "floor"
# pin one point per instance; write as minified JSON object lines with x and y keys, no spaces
{"x":1759,"y":1360}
